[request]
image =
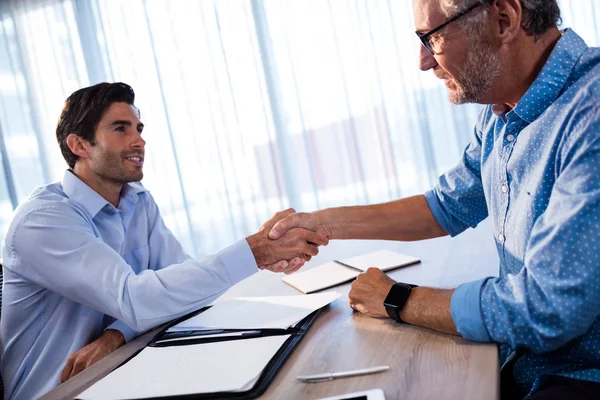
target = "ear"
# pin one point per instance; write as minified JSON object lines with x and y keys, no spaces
{"x":78,"y":145}
{"x":507,"y":16}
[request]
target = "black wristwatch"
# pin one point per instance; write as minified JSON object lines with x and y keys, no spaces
{"x":396,"y":299}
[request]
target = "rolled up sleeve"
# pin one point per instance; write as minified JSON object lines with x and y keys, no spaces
{"x":465,"y":307}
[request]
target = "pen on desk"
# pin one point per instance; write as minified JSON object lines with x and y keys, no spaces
{"x":347,"y":265}
{"x":329,"y":376}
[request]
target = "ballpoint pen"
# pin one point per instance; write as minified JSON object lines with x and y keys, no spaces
{"x":329,"y":376}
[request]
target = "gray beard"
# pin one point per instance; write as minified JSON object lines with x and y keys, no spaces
{"x":481,"y":70}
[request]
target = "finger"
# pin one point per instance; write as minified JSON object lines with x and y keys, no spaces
{"x":310,"y":249}
{"x":66,"y":372}
{"x":295,"y":269}
{"x":298,"y":220}
{"x":360,"y":308}
{"x":278,"y":266}
{"x":373,"y":271}
{"x":78,"y":366}
{"x":294,"y":265}
{"x":278,"y":216}
{"x":269,"y":267}
{"x":316,"y":238}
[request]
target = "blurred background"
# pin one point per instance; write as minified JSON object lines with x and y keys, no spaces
{"x":250,"y":106}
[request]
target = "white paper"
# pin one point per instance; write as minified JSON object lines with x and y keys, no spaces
{"x":320,"y":277}
{"x":332,"y":274}
{"x":382,"y":259}
{"x":274,"y":312}
{"x":178,"y":370}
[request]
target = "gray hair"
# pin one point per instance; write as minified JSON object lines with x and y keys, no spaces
{"x":538,"y":15}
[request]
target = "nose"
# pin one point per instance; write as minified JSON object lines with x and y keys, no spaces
{"x":138,"y":142}
{"x":426,"y":60}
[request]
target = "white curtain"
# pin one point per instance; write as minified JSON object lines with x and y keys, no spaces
{"x":250,"y":106}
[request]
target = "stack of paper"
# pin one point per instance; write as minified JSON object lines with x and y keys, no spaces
{"x":342,"y":271}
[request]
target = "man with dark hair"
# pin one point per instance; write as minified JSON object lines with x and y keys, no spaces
{"x":533,"y":167}
{"x":89,"y":262}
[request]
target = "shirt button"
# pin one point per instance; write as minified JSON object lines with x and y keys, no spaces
{"x":501,"y":238}
{"x":504,"y":189}
{"x":510,"y":138}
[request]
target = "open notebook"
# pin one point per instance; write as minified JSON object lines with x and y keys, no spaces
{"x":337,"y":272}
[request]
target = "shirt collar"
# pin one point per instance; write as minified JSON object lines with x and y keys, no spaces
{"x":91,"y":200}
{"x":552,"y":79}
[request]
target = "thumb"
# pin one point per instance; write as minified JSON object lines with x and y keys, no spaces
{"x":281,"y":227}
{"x":66,"y":372}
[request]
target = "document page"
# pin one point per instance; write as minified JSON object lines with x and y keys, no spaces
{"x":180,"y":370}
{"x":385,"y":260}
{"x":335,"y":273}
{"x":272,"y":312}
{"x":320,"y":277}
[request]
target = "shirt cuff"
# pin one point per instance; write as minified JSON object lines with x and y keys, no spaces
{"x":465,"y":307}
{"x":127,"y":332}
{"x":239,"y":261}
{"x":435,"y":205}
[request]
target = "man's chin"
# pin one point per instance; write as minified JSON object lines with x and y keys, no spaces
{"x":138,"y":177}
{"x":132,"y":178}
{"x":455,"y":92}
{"x":456,"y":97}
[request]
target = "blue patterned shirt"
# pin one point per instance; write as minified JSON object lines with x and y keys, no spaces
{"x":535,"y":171}
{"x":75,"y":265}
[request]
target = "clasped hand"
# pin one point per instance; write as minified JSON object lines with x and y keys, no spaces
{"x":288,"y":251}
{"x":368,"y":291}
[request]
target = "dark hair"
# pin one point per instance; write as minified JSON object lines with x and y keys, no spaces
{"x":84,"y":109}
{"x":538,"y":15}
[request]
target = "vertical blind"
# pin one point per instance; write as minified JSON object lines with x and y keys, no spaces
{"x":250,"y":106}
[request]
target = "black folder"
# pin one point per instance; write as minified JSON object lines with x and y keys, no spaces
{"x":297,"y":332}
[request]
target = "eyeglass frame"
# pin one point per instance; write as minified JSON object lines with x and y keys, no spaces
{"x":424,"y":37}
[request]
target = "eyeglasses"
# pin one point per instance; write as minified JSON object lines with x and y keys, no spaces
{"x":433,"y":44}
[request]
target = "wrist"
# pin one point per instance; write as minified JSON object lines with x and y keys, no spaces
{"x":255,"y":244}
{"x":397,"y":299}
{"x":115,"y":338}
{"x":407,"y":314}
{"x":325,"y":222}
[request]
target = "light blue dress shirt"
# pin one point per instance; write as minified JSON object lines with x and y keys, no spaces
{"x":75,"y":265}
{"x":536,"y":172}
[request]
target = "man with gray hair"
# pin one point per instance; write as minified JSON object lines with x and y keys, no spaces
{"x":533,"y":167}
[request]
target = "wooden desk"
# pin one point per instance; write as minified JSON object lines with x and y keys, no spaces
{"x":425,"y":364}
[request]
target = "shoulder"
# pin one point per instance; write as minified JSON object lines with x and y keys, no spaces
{"x":47,"y":206}
{"x":581,"y":110}
{"x":580,"y":126}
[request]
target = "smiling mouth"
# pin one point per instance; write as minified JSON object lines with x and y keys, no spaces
{"x":137,"y":160}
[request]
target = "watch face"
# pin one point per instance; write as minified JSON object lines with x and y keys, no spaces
{"x":398,"y":295}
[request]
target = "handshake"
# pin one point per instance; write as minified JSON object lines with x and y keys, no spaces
{"x":288,"y":240}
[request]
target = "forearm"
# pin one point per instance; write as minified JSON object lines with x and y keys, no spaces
{"x":430,"y":308}
{"x":408,"y":219}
